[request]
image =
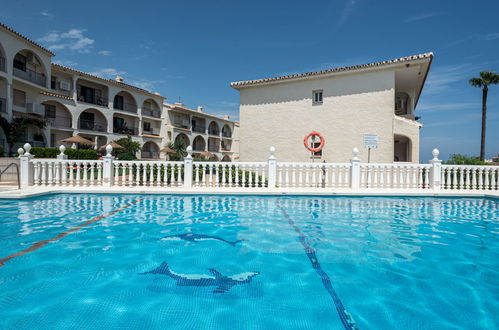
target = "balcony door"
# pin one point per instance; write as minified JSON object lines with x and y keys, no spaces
{"x":88,"y":94}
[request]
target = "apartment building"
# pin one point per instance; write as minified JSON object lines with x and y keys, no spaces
{"x":73,"y":102}
{"x":345,"y":105}
{"x":204,"y":132}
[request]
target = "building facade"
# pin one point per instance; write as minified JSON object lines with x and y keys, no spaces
{"x":204,"y":132}
{"x":73,"y":102}
{"x":343,"y":105}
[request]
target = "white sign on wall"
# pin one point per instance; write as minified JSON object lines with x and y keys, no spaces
{"x":370,"y":141}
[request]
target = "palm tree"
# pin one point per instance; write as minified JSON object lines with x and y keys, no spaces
{"x":486,"y":79}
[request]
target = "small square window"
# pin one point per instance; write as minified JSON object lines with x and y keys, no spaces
{"x":317,"y":97}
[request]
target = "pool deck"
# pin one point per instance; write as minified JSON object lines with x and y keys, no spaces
{"x":38,"y":191}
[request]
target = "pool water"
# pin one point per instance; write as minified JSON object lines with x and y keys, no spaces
{"x":226,"y":262}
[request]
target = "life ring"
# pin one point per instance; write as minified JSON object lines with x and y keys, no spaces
{"x":309,"y":148}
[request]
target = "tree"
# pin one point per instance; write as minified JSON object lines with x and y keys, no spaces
{"x":486,"y":79}
{"x":457,"y":159}
{"x":130,"y":148}
{"x":180,"y":149}
{"x":16,"y":128}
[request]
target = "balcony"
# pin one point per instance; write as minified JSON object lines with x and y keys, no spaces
{"x":3,"y":105}
{"x":2,"y":63}
{"x":61,"y":122}
{"x":101,"y":101}
{"x":32,"y":76}
{"x":126,"y":130}
{"x":199,"y":129}
{"x":182,"y":124}
{"x":213,"y":148}
{"x":128,"y":107}
{"x":151,"y":112}
{"x":91,"y":125}
{"x":151,"y":131}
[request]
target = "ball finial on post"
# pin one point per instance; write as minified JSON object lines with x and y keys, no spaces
{"x":435,"y":153}
{"x":355,"y":154}
{"x":27,"y":148}
{"x":20,"y":151}
{"x":62,"y":148}
{"x":109,"y":149}
{"x":189,"y":150}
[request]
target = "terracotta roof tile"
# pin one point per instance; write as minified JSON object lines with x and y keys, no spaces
{"x":25,"y":38}
{"x":56,"y":95}
{"x":238,"y":84}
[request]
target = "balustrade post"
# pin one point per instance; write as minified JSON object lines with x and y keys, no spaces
{"x":61,"y":169}
{"x":107,"y":170}
{"x":435,"y":171}
{"x":188,"y":168}
{"x":272,"y":171}
{"x":26,"y":175}
{"x":355,"y":170}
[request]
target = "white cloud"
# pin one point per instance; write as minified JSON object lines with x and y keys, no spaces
{"x":420,"y":17}
{"x":104,"y":52}
{"x":492,"y":36}
{"x":346,"y":12}
{"x":439,"y":107}
{"x":46,"y":13}
{"x":441,"y":78}
{"x":109,"y":73}
{"x":72,"y":40}
{"x":64,"y":62}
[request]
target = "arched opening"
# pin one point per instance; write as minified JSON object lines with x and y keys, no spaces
{"x":3,"y":94}
{"x":214,"y":129}
{"x":199,"y":144}
{"x":28,"y":66}
{"x":198,"y":124}
{"x":182,"y":138}
{"x":226,"y":158}
{"x":151,"y":108}
{"x":226,"y":131}
{"x":127,"y":125}
{"x":401,"y":103}
{"x":124,"y":101}
{"x":402,"y":150}
{"x":57,"y":115}
{"x":150,"y":150}
{"x":92,"y":120}
{"x":3,"y":59}
{"x":91,"y":92}
{"x":215,"y":158}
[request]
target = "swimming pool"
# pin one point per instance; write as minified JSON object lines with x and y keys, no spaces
{"x":227,"y":262}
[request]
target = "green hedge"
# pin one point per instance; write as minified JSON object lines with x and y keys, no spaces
{"x":86,"y":154}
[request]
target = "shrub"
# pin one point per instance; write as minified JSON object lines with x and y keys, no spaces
{"x":84,"y":154}
{"x":457,"y":159}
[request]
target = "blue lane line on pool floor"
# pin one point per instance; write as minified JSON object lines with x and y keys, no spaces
{"x":345,"y":317}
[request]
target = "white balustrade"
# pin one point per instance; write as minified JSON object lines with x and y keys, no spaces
{"x":468,"y":177}
{"x":313,"y":175}
{"x":148,"y":173}
{"x":225,"y":174}
{"x":56,"y":172}
{"x":396,"y":176}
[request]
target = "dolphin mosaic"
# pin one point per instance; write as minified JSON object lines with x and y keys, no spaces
{"x":191,"y":237}
{"x":222,"y":283}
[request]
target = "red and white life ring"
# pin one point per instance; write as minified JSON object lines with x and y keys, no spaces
{"x":309,"y":148}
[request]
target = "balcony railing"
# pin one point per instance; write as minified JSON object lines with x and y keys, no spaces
{"x":126,"y":130}
{"x":30,"y":75}
{"x":151,"y":131}
{"x":214,"y":148}
{"x":199,"y":129}
{"x":2,"y":64}
{"x":181,"y":124}
{"x":151,"y":112}
{"x":91,"y":126}
{"x":214,"y":132}
{"x":150,"y":154}
{"x":226,"y":134}
{"x":128,"y":107}
{"x":63,"y":122}
{"x":3,"y":105}
{"x":102,"y":101}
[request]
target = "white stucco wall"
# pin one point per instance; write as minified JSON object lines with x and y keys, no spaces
{"x":280,"y":115}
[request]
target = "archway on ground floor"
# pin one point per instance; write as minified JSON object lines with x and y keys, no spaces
{"x":226,"y":158}
{"x":402,"y":149}
{"x":199,"y":144}
{"x":150,"y":150}
{"x":183,"y":138}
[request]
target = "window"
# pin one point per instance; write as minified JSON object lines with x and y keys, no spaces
{"x":147,"y":127}
{"x":317,"y":97}
{"x":53,"y":82}
{"x":119,"y":122}
{"x":49,"y":110}
{"x":20,"y":62}
{"x":19,"y":98}
{"x":118,"y":102}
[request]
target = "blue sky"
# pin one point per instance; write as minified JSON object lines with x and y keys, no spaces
{"x":192,"y":50}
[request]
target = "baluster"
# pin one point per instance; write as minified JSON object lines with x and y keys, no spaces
{"x":57,"y":178}
{"x":473,"y":178}
{"x":99,"y":173}
{"x":414,"y":183}
{"x":92,"y":172}
{"x":460,"y":173}
{"x":467,"y":173}
{"x":117,"y":174}
{"x":243,"y":175}
{"x":306,"y":168}
{"x":346,"y":173}
{"x":237,"y":168}
{"x":36,"y":174}
{"x":158,"y":174}
{"x":172,"y":175}
{"x":314,"y":181}
{"x":264,"y":175}
{"x":395,"y":177}
{"x":132,"y":177}
{"x":143,"y":167}
{"x":224,"y":177}
{"x":493,"y":179}
{"x":293,"y":175}
{"x":326,"y":176}
{"x":217,"y":173}
{"x":420,"y":177}
{"x":486,"y":179}
{"x":333,"y":173}
{"x":85,"y":173}
{"x":454,"y":178}
{"x":64,"y":173}
{"x":205,"y":169}
{"x":480,"y":179}
{"x":151,"y":174}
{"x":180,"y":177}
{"x":71,"y":173}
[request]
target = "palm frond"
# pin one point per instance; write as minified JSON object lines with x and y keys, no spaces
{"x":476,"y":82}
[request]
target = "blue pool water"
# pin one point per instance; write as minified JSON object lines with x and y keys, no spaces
{"x":227,"y":262}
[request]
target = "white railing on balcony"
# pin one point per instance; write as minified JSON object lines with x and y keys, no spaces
{"x":223,"y":174}
{"x":313,"y":175}
{"x":155,"y":173}
{"x":414,"y":176}
{"x":263,"y":175}
{"x":467,"y":177}
{"x":55,"y":172}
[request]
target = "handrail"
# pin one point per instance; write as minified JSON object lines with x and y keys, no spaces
{"x":17,"y":170}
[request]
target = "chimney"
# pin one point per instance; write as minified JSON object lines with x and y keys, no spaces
{"x":119,"y":79}
{"x":200,"y":108}
{"x":226,"y":117}
{"x":179,"y":104}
